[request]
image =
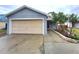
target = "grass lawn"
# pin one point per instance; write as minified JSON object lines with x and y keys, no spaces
{"x":1,"y":30}
{"x":76,"y":32}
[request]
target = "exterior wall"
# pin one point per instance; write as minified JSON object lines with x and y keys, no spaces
{"x":27,"y":27}
{"x":69,"y":24}
{"x":76,"y":25}
{"x":27,"y":13}
{"x":45,"y":27}
{"x":9,"y":26}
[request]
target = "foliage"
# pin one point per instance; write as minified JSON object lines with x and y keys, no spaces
{"x":61,"y":17}
{"x":75,"y":31}
{"x":54,"y":17}
{"x":73,"y":18}
{"x":2,"y":30}
{"x":58,"y":17}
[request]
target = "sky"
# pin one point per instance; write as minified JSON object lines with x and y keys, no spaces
{"x":66,"y":6}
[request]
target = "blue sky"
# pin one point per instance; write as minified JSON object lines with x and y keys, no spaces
{"x":6,"y":8}
{"x":66,"y":6}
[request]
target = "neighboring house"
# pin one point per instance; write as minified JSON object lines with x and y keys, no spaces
{"x":26,"y":20}
{"x":69,"y":24}
{"x":3,"y":20}
{"x":76,"y":24}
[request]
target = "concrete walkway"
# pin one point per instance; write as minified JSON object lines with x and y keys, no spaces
{"x":55,"y":45}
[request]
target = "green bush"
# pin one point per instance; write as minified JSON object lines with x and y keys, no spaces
{"x":75,"y":37}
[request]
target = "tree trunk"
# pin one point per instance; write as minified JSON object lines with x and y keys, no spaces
{"x":73,"y":24}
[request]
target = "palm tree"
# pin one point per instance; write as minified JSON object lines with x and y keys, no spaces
{"x":73,"y":18}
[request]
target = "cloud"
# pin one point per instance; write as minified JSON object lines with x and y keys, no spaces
{"x":6,"y":8}
{"x":67,"y":9}
{"x":35,"y":2}
{"x":42,"y":5}
{"x":74,"y":9}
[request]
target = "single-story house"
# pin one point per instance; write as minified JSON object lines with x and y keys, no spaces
{"x":26,"y":20}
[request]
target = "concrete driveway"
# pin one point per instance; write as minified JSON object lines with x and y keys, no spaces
{"x":37,"y":44}
{"x":21,"y":44}
{"x":53,"y":44}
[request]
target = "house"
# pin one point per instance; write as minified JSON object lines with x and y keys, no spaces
{"x":26,"y":20}
{"x":76,"y":24}
{"x":69,"y":24}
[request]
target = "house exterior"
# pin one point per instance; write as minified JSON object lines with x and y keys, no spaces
{"x":26,"y":20}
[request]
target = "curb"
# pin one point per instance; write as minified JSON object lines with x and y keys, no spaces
{"x":66,"y":38}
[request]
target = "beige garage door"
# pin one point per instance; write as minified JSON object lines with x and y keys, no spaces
{"x":27,"y":27}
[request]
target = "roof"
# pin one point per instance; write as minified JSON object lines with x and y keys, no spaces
{"x":24,"y":6}
{"x":3,"y":18}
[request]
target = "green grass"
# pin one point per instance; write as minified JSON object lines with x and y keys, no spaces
{"x":2,"y":30}
{"x":75,"y":31}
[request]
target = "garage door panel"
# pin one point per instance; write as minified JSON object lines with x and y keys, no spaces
{"x":28,"y":27}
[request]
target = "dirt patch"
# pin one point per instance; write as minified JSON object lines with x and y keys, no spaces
{"x":2,"y":34}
